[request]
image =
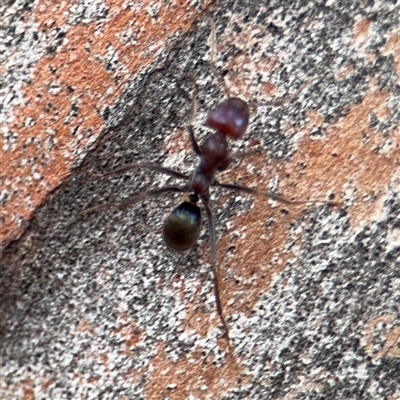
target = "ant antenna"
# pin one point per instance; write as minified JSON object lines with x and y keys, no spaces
{"x":214,"y":71}
{"x":288,"y":98}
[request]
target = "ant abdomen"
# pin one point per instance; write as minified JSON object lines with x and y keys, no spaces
{"x":182,"y":227}
{"x":230,"y":117}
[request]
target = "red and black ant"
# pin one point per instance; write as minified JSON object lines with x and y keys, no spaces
{"x":182,"y":227}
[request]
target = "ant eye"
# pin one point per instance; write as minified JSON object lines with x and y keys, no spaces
{"x":231,"y":117}
{"x":182,"y":227}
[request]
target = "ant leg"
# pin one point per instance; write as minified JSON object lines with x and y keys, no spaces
{"x":138,"y":197}
{"x":214,"y":71}
{"x":272,"y":196}
{"x":213,"y":257}
{"x":242,"y":154}
{"x":195,"y":145}
{"x":193,"y":141}
{"x":224,"y":164}
{"x":153,"y":167}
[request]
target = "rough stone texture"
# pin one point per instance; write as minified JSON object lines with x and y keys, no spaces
{"x":95,"y":306}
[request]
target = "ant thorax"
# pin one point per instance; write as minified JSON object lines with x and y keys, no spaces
{"x":213,"y":151}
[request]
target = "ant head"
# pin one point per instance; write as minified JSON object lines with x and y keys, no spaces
{"x":231,"y":117}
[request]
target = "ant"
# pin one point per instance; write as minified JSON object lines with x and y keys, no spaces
{"x":230,"y":118}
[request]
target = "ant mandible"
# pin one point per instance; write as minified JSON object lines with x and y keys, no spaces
{"x":181,"y":230}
